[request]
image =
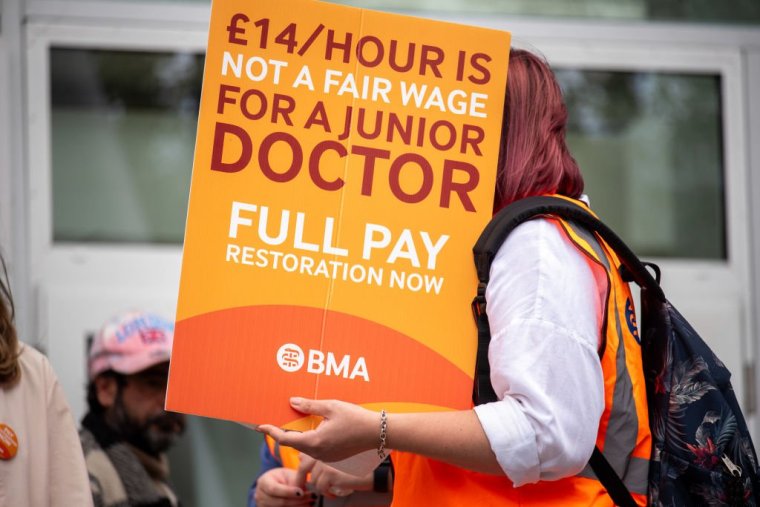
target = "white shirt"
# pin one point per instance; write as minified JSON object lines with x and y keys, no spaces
{"x":544,"y":310}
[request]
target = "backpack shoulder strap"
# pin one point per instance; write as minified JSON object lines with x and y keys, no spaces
{"x":506,"y":220}
{"x":496,"y":232}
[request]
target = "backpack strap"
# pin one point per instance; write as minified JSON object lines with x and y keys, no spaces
{"x":506,"y":220}
{"x":485,"y":249}
{"x":494,"y":235}
{"x":482,"y":390}
{"x":610,"y":480}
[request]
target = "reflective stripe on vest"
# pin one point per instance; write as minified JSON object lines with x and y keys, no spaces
{"x":623,"y":435}
{"x":285,"y":455}
{"x":628,"y":456}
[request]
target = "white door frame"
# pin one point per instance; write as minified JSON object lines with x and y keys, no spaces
{"x":78,"y":286}
{"x":5,"y":163}
{"x":13,"y":211}
{"x":752,"y":57}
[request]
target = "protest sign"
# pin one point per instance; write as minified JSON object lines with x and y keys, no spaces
{"x":344,"y":167}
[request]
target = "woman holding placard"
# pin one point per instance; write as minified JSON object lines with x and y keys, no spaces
{"x":548,"y":312}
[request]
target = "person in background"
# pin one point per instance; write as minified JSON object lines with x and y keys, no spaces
{"x":41,"y":462}
{"x":567,"y":374}
{"x":288,"y":478}
{"x":126,"y":431}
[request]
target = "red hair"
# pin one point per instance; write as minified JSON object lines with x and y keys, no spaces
{"x":534,"y":159}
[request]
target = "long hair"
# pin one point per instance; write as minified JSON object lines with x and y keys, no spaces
{"x":10,"y":371}
{"x":534,"y":158}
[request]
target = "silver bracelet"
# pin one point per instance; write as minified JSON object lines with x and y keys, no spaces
{"x":383,"y":434}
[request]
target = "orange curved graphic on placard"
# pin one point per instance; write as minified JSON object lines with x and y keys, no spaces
{"x":225,"y":364}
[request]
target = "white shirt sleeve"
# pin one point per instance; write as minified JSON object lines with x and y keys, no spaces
{"x":545,"y":311}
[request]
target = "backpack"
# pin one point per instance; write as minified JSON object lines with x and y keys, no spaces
{"x":702,"y":453}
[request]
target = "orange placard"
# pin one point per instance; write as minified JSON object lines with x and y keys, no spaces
{"x":344,"y":167}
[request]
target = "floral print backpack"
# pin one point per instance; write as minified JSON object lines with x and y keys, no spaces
{"x":702,"y":453}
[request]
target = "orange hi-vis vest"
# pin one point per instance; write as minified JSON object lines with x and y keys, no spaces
{"x":623,"y":436}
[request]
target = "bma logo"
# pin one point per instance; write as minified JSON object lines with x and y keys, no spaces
{"x":291,"y":358}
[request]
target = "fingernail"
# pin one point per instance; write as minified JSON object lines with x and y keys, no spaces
{"x":299,"y":492}
{"x":295,"y":400}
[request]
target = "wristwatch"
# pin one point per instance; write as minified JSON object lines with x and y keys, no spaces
{"x":380,"y":482}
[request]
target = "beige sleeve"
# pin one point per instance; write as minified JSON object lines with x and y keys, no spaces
{"x":69,"y":482}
